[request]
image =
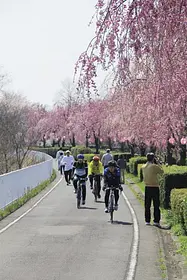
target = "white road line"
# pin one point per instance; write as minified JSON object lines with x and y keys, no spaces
{"x":30,"y":209}
{"x":134,"y":252}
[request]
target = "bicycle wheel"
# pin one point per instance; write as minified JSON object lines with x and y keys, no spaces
{"x":111,"y":209}
{"x":78,"y":197}
{"x":95,"y":190}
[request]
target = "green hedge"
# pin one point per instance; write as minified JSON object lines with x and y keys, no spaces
{"x":126,"y":156}
{"x":80,"y":150}
{"x":179,"y":207}
{"x":133,"y":164}
{"x":174,"y":177}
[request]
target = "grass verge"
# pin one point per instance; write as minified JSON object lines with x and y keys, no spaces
{"x":167,"y":218}
{"x":26,"y":197}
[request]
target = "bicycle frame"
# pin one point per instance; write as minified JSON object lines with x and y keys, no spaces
{"x":111,"y":202}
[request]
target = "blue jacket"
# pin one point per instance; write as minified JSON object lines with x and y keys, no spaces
{"x":112,"y":179}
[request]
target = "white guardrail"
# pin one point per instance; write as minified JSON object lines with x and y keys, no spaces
{"x":14,"y":185}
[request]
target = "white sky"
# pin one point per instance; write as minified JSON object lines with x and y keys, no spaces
{"x":40,"y":41}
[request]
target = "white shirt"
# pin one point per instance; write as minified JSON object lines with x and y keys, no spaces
{"x":68,"y":162}
{"x":58,"y":154}
{"x":106,"y":158}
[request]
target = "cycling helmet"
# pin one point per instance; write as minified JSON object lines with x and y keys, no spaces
{"x":112,"y":163}
{"x":80,"y":156}
{"x":96,"y":158}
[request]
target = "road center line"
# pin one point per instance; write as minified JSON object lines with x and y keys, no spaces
{"x":30,"y":209}
{"x":134,"y":251}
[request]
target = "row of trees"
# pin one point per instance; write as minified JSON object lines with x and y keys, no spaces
{"x":144,"y":42}
{"x":18,"y":130}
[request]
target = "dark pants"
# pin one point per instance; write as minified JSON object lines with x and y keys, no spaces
{"x":152,"y":193}
{"x":107,"y":194}
{"x":75,"y":181}
{"x":67,"y":175}
{"x":98,"y":179}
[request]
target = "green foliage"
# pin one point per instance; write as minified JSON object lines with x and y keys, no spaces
{"x":80,"y":150}
{"x":179,"y":207}
{"x":27,"y":196}
{"x":89,"y":157}
{"x":133,"y":164}
{"x":174,"y":177}
{"x":126,"y":156}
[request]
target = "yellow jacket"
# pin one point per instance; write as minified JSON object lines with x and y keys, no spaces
{"x":95,"y":169}
{"x":150,"y":174}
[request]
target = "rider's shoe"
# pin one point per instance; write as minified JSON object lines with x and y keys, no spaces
{"x":106,"y":210}
{"x":99,"y":196}
{"x":116,"y":207}
{"x":83,"y":202}
{"x":75,"y":191}
{"x":91,"y":187}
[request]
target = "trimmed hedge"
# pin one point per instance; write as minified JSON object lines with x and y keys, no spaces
{"x":126,"y":156}
{"x":80,"y":150}
{"x":174,"y":177}
{"x":179,"y":207}
{"x":133,"y":164}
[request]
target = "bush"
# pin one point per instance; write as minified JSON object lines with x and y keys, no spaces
{"x":140,"y":172}
{"x":127,"y":168}
{"x":89,"y":157}
{"x":179,"y":207}
{"x":133,"y":164}
{"x":80,"y":150}
{"x":127,"y":156}
{"x":174,"y":177}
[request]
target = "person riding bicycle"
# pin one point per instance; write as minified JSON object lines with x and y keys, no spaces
{"x":80,"y":170}
{"x":96,"y":169}
{"x":112,"y":178}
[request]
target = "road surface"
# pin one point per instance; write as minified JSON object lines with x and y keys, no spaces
{"x":56,"y":241}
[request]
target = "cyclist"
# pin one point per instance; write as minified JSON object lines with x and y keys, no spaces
{"x":112,"y":178}
{"x":80,"y":170}
{"x":96,"y":169}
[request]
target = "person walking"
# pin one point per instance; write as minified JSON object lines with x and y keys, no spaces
{"x":151,"y":170}
{"x":60,"y":159}
{"x":121,"y":162}
{"x":68,"y":162}
{"x":106,"y":158}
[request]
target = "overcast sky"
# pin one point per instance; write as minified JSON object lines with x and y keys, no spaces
{"x":41,"y":41}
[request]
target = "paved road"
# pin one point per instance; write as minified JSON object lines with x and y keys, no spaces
{"x":55,"y":241}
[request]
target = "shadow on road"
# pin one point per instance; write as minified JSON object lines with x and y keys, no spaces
{"x":88,"y":208}
{"x":122,"y":223}
{"x":100,"y":201}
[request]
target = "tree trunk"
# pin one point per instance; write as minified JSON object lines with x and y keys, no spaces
{"x":87,"y":140}
{"x":110,"y":143}
{"x":169,"y":154}
{"x":142,"y":149}
{"x":73,"y":141}
{"x":122,"y":148}
{"x":182,"y":152}
{"x":96,"y":144}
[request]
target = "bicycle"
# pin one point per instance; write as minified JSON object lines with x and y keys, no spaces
{"x":81,"y":184}
{"x":95,"y":187}
{"x":111,"y":202}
